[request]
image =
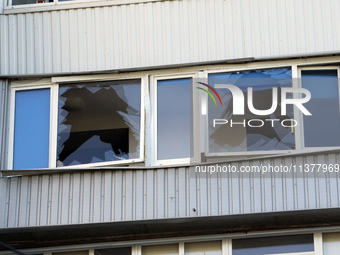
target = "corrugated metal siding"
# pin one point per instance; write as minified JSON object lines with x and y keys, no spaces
{"x":106,"y":196}
{"x":165,"y":33}
{"x":3,"y":121}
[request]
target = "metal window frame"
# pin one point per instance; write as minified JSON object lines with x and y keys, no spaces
{"x":54,"y":97}
{"x":153,"y":132}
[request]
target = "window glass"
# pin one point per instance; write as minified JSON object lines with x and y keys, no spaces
{"x":171,"y":249}
{"x":99,"y":122}
{"x":174,"y":118}
{"x":322,"y":128}
{"x":331,"y":243}
{"x":249,"y":131}
{"x":273,"y":245}
{"x":72,"y":253}
{"x":204,"y":248}
{"x":31,"y":129}
{"x":113,"y":251}
{"x":19,"y":2}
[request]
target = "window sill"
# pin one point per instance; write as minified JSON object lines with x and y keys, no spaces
{"x":67,"y":5}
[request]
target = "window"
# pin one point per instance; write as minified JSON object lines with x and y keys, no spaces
{"x":204,"y":248}
{"x":72,"y":253}
{"x":249,"y":131}
{"x":331,"y":243}
{"x":173,"y":125}
{"x":322,"y":128}
{"x":20,"y":2}
{"x":169,"y":249}
{"x":77,"y":124}
{"x":98,"y":122}
{"x":113,"y":251}
{"x":273,"y":245}
{"x":31,"y":130}
{"x":25,"y":2}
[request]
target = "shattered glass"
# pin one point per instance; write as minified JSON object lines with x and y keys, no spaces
{"x":243,"y":137}
{"x":98,"y":122}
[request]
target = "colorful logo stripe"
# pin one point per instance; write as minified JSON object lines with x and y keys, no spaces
{"x":208,"y":86}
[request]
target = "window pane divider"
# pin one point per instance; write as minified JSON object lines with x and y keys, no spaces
{"x":318,"y":246}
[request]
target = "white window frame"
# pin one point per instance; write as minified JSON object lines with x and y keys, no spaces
{"x":298,"y":130}
{"x":301,"y":126}
{"x":195,"y":121}
{"x":52,"y":142}
{"x":53,"y":135}
{"x":206,"y":118}
{"x":136,"y":245}
{"x":9,"y":8}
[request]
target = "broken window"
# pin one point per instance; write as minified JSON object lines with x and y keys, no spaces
{"x":249,"y":131}
{"x":98,"y":122}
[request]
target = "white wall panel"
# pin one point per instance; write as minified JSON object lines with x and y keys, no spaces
{"x":165,"y":33}
{"x":124,"y":195}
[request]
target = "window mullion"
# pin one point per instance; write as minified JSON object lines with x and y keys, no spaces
{"x":226,"y":246}
{"x":318,"y":243}
{"x":53,"y":126}
{"x":296,"y":78}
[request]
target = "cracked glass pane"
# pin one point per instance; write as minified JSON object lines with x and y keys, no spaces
{"x":98,"y":122}
{"x":249,"y":131}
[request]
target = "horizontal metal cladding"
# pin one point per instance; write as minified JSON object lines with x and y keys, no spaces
{"x":124,"y":195}
{"x":165,"y":33}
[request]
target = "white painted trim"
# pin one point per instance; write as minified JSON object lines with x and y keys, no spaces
{"x":195,"y":120}
{"x":54,"y":91}
{"x":226,"y":241}
{"x":316,"y":68}
{"x":55,"y":5}
{"x":181,"y":248}
{"x":14,"y":89}
{"x":318,"y":243}
{"x":295,"y":253}
{"x":227,"y":248}
{"x":296,"y":83}
{"x":96,"y":77}
{"x":53,"y":126}
{"x":203,"y":100}
{"x":136,"y":250}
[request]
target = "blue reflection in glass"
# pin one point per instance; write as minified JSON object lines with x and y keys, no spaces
{"x":174,"y":118}
{"x":31,"y":130}
{"x":224,"y":138}
{"x":322,"y":128}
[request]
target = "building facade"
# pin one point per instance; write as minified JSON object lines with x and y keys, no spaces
{"x":118,"y":134}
